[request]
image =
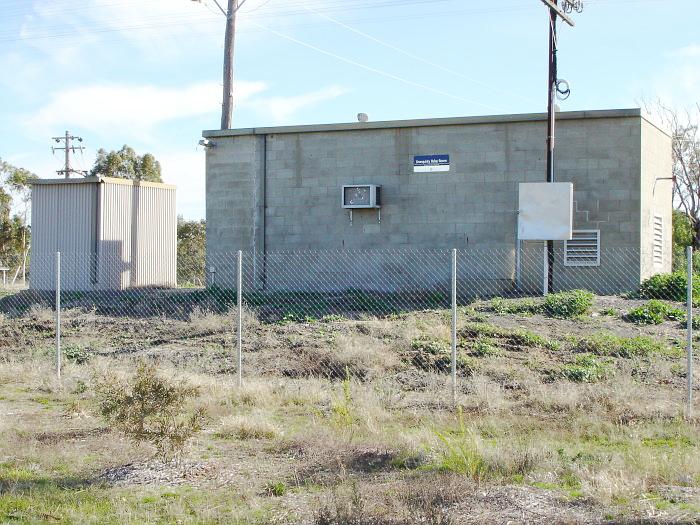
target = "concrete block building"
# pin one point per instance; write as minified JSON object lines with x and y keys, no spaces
{"x":444,"y":183}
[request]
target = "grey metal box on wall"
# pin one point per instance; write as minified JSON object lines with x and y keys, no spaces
{"x":113,"y":234}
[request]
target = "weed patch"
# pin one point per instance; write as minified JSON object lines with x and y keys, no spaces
{"x":342,"y":409}
{"x":460,"y":454}
{"x":565,"y":305}
{"x":654,"y":312}
{"x":515,"y":306}
{"x":587,"y":368}
{"x":513,"y":338}
{"x":484,"y":347}
{"x":76,"y":354}
{"x":275,"y":489}
{"x":609,"y":345}
{"x":436,"y":355}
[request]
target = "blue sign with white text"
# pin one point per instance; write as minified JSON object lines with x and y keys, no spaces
{"x":431,"y":163}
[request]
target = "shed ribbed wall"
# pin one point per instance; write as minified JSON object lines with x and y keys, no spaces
{"x":113,"y":234}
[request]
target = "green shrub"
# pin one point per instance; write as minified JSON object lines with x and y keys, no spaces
{"x":483,"y":347}
{"x":564,"y":305}
{"x":76,"y":354}
{"x":675,"y":314}
{"x":587,"y":368}
{"x":610,"y":345}
{"x":654,"y":312}
{"x":460,"y":452}
{"x":669,"y":286}
{"x":531,"y":340}
{"x":275,"y":489}
{"x":342,"y":408}
{"x":149,"y":408}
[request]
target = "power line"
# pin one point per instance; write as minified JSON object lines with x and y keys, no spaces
{"x":412,"y":55}
{"x":370,"y":68}
{"x":181,"y":20}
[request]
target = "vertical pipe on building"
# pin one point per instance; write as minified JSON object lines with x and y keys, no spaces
{"x":454,"y":327}
{"x":259,"y":217}
{"x":689,"y":328}
{"x":239,"y":293}
{"x":264,"y":212}
{"x":58,"y":315}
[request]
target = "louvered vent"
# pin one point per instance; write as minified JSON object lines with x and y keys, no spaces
{"x":583,"y":249}
{"x":658,"y":242}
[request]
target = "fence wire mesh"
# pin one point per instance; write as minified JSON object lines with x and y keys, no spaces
{"x":373,"y":316}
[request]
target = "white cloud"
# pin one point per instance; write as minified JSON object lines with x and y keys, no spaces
{"x":136,"y":109}
{"x":677,"y":84}
{"x":283,"y":109}
{"x":691,"y":51}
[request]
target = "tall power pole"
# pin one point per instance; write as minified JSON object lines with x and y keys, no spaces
{"x":69,"y":148}
{"x":229,"y":41}
{"x":555,"y":87}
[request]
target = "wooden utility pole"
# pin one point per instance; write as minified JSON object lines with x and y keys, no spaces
{"x":69,"y":148}
{"x":229,"y":41}
{"x":553,"y":87}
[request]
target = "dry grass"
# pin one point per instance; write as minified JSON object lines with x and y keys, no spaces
{"x":256,"y":425}
{"x":484,"y":394}
{"x":574,"y":450}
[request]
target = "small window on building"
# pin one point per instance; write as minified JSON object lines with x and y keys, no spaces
{"x":657,"y":249}
{"x":583,"y":249}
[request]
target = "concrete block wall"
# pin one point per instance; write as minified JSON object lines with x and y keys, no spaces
{"x":279,"y":189}
{"x":602,"y":157}
{"x":231,"y":180}
{"x":656,"y":193}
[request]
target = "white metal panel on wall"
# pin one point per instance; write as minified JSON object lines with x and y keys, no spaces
{"x":545,"y":211}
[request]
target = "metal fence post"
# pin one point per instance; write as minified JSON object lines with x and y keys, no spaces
{"x":689,"y":300}
{"x":545,"y":273}
{"x":58,"y":315}
{"x":454,"y":327}
{"x":239,"y":294}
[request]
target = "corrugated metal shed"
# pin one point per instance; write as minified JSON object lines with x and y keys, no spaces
{"x":113,"y":234}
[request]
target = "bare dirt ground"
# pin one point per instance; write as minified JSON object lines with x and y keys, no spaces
{"x":351,"y":421}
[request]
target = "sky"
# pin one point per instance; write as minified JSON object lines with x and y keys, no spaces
{"x":147,"y":73}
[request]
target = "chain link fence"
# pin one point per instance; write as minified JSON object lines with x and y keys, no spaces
{"x":408,"y":319}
